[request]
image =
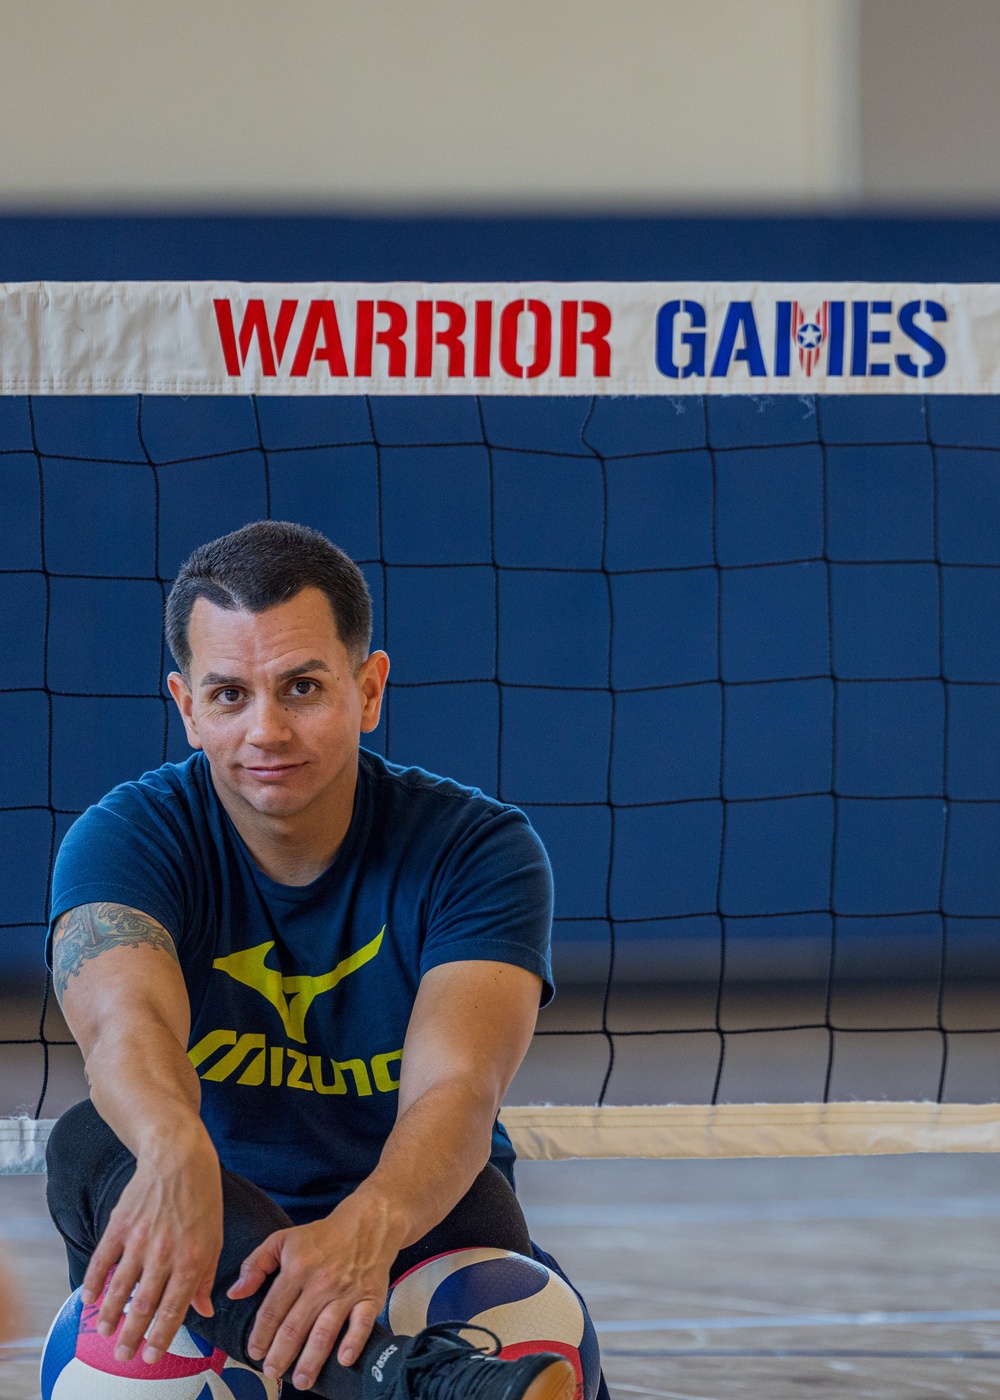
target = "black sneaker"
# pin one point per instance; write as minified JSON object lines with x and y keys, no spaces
{"x":439,"y":1364}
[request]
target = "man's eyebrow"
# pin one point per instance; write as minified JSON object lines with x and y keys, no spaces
{"x":214,"y":677}
{"x":314,"y":665}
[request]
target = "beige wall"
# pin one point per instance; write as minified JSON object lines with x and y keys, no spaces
{"x":930,"y":101}
{"x":428,"y":102}
{"x":469,"y":103}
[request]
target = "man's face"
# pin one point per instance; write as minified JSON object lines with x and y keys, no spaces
{"x":274,"y":700}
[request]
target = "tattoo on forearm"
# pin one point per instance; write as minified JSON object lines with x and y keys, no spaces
{"x":90,"y":929}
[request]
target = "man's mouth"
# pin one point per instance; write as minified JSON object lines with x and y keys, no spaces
{"x":271,"y":772}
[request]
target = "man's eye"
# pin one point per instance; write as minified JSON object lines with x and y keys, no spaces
{"x":229,"y":696}
{"x":303,"y":687}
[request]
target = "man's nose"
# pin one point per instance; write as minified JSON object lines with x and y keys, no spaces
{"x":268,"y":722}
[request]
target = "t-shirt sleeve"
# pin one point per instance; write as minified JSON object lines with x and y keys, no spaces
{"x":492,"y":900}
{"x":120,"y":852}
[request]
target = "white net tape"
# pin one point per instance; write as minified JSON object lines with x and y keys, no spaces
{"x":551,"y":1132}
{"x":22,"y":1145}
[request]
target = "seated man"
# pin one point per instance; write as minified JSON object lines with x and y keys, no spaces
{"x":355,"y":955}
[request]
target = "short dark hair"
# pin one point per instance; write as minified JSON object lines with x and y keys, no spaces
{"x":265,"y":564}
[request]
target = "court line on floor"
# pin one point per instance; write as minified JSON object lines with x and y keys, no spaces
{"x":862,"y":1319}
{"x":721,"y":1212}
{"x":645,"y":1390}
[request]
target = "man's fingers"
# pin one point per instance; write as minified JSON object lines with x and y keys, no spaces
{"x":169,"y":1315}
{"x":267,"y":1256}
{"x":116,"y":1294}
{"x":321,"y":1342}
{"x":256,"y":1266}
{"x":271,"y":1314}
{"x":296,"y":1330}
{"x":362,"y":1321}
{"x":202,"y":1300}
{"x":250,"y":1279}
{"x":141,"y":1309}
{"x":102,"y":1261}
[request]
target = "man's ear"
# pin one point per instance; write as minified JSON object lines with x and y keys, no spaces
{"x":184,"y":702}
{"x":371,"y":680}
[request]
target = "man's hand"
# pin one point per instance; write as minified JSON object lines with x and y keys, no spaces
{"x":164,"y":1235}
{"x":468,"y":1031}
{"x":328,"y":1272}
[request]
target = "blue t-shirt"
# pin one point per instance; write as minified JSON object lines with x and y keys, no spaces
{"x":301,"y":995}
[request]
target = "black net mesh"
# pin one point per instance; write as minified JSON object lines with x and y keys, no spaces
{"x":736,"y":659}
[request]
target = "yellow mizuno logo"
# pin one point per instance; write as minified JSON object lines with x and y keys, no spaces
{"x":291,"y":997}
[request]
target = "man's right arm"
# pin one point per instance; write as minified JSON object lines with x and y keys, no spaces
{"x":120,"y":986}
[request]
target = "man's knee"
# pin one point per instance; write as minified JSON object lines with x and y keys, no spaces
{"x":491,"y":1211}
{"x":70,"y":1143}
{"x":488,"y":1216}
{"x":84,"y":1161}
{"x":81,"y":1145}
{"x":70,"y":1134}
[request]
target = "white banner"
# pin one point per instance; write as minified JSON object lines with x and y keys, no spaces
{"x":546,"y":338}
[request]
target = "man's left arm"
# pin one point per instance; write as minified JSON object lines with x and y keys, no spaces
{"x":470,"y":1027}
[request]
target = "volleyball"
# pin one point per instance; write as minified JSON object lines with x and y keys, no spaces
{"x":529,"y":1307}
{"x":79,"y":1364}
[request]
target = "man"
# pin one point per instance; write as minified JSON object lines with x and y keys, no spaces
{"x":355,"y":954}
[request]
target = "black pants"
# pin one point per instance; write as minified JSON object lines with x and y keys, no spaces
{"x":88,"y":1167}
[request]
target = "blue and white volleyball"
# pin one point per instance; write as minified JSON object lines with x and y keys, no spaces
{"x":79,"y":1364}
{"x":529,"y":1307}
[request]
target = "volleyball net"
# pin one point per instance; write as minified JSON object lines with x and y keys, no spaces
{"x":703,"y":578}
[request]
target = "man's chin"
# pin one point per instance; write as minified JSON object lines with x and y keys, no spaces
{"x":281,"y":798}
{"x":272,"y":802}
